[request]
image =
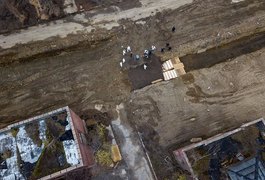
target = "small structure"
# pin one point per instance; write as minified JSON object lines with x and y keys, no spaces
{"x":172,"y":69}
{"x":44,"y":147}
{"x":235,"y":155}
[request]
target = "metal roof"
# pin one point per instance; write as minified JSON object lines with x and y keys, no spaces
{"x":249,"y":169}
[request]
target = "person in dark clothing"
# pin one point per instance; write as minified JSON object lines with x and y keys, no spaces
{"x":149,"y":53}
{"x":173,"y":29}
{"x":162,"y":49}
{"x":169,"y":48}
{"x":167,"y":44}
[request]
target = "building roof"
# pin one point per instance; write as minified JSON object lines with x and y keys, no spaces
{"x":251,"y":169}
{"x":39,"y":146}
{"x":238,"y":154}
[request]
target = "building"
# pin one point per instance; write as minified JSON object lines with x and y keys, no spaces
{"x":44,"y":147}
{"x":237,"y":155}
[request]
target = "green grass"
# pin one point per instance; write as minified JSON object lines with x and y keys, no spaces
{"x":104,"y":157}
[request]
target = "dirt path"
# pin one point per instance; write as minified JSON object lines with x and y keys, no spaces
{"x":197,"y":27}
{"x":131,"y":148}
{"x":103,"y":20}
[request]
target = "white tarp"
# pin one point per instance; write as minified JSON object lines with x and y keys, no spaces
{"x":71,"y":153}
{"x":29,"y":151}
{"x":70,"y":149}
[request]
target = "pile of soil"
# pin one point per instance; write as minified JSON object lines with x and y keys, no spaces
{"x":17,"y":14}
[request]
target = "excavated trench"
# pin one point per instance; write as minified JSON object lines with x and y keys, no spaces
{"x":224,"y":53}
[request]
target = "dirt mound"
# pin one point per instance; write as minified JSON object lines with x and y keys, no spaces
{"x":17,"y":14}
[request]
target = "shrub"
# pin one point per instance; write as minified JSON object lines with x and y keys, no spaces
{"x":104,"y":158}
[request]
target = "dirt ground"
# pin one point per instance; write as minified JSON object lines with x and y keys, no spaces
{"x":201,"y":103}
{"x":231,"y":92}
{"x":45,"y":75}
{"x":92,"y":74}
{"x":17,"y":14}
{"x":140,"y":77}
{"x":196,"y":28}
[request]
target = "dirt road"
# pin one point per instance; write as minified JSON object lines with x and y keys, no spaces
{"x":200,"y":25}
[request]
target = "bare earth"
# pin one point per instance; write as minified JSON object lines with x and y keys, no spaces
{"x":75,"y":62}
{"x":91,"y":74}
{"x":203,"y":102}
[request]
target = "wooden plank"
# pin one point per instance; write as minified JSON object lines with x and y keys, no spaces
{"x":156,"y":81}
{"x":115,"y":153}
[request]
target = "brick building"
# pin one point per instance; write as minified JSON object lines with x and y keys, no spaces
{"x":45,"y":147}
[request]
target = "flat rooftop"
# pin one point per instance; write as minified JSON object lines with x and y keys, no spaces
{"x":237,"y":154}
{"x":38,"y":147}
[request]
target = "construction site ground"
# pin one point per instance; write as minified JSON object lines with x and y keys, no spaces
{"x":81,"y":69}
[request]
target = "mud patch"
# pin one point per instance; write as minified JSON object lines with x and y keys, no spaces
{"x":141,"y":77}
{"x":93,"y":115}
{"x":188,"y":78}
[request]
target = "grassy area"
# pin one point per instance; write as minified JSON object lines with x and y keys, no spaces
{"x":48,"y":161}
{"x":104,"y":157}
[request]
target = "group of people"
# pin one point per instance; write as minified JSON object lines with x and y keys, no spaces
{"x":124,"y":52}
{"x":146,"y":54}
{"x":168,"y":47}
